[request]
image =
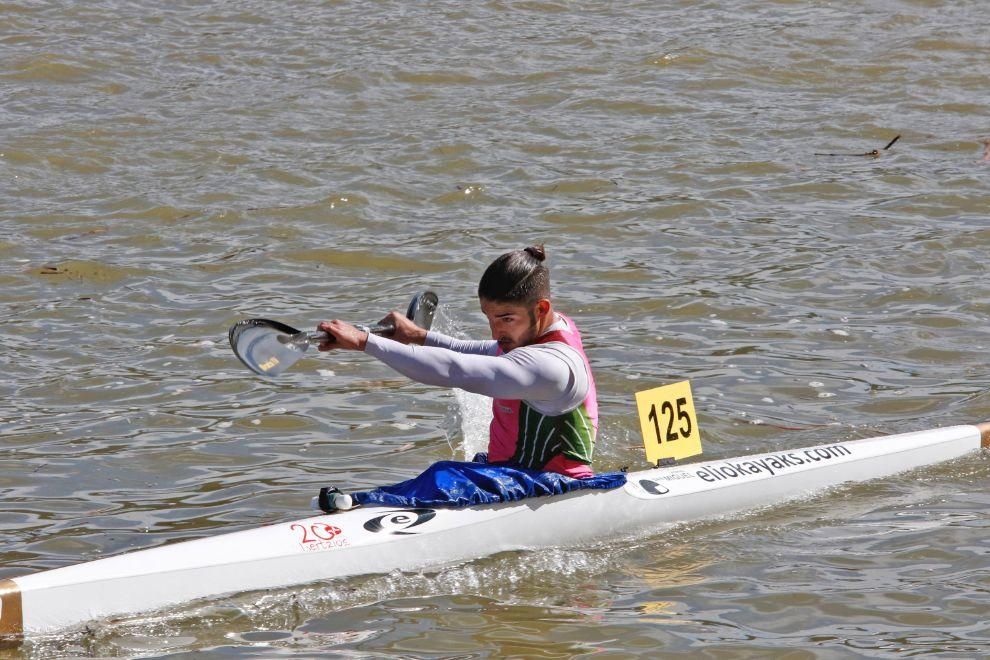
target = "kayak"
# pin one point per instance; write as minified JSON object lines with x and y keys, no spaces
{"x":383,"y":539}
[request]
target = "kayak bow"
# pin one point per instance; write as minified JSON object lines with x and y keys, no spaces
{"x":383,"y":539}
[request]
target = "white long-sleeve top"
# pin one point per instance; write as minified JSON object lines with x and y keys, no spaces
{"x":551,"y":377}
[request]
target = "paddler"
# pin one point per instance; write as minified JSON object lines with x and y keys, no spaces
{"x":545,"y":410}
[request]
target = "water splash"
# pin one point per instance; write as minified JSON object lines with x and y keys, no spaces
{"x":471,"y":414}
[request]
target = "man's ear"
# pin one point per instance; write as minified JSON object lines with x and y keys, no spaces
{"x":542,"y":307}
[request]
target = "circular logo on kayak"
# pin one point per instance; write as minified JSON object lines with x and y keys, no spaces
{"x":399,"y":521}
{"x":653,"y":488}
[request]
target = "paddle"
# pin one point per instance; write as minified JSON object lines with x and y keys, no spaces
{"x":269,"y":348}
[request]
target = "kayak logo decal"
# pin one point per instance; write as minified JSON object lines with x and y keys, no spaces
{"x":653,"y":488}
{"x":771,"y":464}
{"x":399,"y":521}
{"x":319,"y":536}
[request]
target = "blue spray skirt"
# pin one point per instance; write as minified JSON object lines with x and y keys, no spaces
{"x":458,"y":484}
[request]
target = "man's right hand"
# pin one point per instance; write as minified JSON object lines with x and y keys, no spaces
{"x":406,"y":331}
{"x":342,"y":335}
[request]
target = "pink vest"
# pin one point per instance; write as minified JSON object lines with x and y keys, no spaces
{"x":564,"y":443}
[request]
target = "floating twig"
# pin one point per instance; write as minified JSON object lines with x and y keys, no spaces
{"x":874,"y":153}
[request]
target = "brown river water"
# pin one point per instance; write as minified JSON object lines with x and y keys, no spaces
{"x":169,"y":168}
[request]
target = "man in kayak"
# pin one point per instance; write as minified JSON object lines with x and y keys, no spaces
{"x":545,"y":410}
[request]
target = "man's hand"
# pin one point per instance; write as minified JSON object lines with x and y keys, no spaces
{"x":342,"y":335}
{"x":406,"y":331}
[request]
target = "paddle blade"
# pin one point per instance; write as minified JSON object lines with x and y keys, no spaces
{"x":266,"y":347}
{"x":422,"y":308}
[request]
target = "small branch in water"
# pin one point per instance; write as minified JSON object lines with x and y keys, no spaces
{"x":874,"y":153}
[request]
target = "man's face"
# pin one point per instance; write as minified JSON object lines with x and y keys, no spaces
{"x":513,"y":324}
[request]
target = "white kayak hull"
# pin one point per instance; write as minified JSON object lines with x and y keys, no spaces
{"x":382,"y":539}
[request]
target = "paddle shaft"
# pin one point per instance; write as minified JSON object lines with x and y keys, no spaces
{"x":381,"y":329}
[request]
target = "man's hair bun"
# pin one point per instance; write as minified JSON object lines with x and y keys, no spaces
{"x":538,"y":252}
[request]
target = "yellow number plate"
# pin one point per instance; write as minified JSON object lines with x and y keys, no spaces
{"x":668,"y":421}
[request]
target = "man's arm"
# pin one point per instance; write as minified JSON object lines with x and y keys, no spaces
{"x":474,"y":347}
{"x":525,"y":375}
{"x":407,"y":332}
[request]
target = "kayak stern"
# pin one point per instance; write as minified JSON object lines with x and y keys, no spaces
{"x":985,"y":433}
{"x":11,"y":610}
